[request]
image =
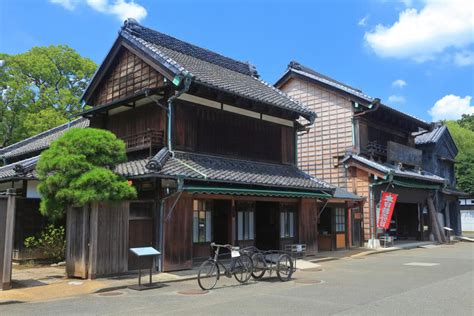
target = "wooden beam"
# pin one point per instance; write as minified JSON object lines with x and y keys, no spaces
{"x":243,"y":198}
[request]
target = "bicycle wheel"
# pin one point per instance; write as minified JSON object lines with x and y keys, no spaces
{"x":208,"y":275}
{"x":243,"y":268}
{"x":259,"y":265}
{"x":284,"y":267}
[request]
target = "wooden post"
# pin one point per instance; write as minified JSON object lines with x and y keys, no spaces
{"x":7,"y":222}
{"x":94,"y":231}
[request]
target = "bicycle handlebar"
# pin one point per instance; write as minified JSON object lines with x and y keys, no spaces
{"x":213,"y":244}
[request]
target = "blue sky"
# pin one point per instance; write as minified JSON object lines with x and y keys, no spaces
{"x":416,"y":56}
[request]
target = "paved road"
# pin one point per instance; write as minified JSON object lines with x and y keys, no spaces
{"x":436,"y":281}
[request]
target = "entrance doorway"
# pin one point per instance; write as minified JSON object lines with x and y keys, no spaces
{"x":221,"y":222}
{"x":356,"y":226}
{"x":267,"y":225}
{"x":404,"y":223}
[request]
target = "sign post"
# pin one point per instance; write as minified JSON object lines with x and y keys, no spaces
{"x":387,"y":204}
{"x":145,"y":252}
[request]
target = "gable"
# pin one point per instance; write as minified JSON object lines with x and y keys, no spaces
{"x":127,"y":75}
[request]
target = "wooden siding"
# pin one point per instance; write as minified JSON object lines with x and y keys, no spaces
{"x":205,"y":130}
{"x":127,"y":75}
{"x":177,"y":234}
{"x":77,"y":238}
{"x":7,"y":219}
{"x":307,"y":224}
{"x":331,"y":136}
{"x":358,"y":182}
{"x":109,"y":234}
{"x":148,"y":117}
{"x":97,"y":240}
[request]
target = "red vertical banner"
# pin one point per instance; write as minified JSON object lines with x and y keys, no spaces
{"x":387,"y":204}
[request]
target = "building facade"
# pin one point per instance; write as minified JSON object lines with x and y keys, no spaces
{"x":367,"y":147}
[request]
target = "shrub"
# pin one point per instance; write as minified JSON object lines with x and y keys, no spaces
{"x":51,"y":242}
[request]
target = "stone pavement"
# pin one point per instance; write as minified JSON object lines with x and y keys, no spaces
{"x":49,"y":283}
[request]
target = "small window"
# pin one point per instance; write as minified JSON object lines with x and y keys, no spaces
{"x":245,"y":220}
{"x":141,"y":210}
{"x":287,"y":222}
{"x":202,"y":221}
{"x":340,"y":219}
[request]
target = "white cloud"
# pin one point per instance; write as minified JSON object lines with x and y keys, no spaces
{"x":451,"y":107}
{"x":67,"y":4}
{"x":399,"y":83}
{"x":122,"y":9}
{"x":396,"y":99}
{"x":363,"y":21}
{"x":464,"y":58}
{"x":423,"y":35}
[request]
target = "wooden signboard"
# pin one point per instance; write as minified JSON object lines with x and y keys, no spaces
{"x":400,"y":153}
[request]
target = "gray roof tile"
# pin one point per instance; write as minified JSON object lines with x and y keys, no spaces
{"x":388,"y":168}
{"x":24,"y":169}
{"x":41,"y":141}
{"x":212,"y":168}
{"x":210,"y":68}
{"x":431,"y":137}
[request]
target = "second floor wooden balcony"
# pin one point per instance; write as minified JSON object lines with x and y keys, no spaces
{"x":148,"y":139}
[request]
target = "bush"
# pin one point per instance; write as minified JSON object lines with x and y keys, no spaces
{"x":51,"y":242}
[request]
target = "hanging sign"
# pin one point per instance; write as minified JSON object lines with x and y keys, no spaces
{"x":387,"y":203}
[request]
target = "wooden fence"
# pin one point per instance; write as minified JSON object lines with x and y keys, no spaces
{"x":97,"y":240}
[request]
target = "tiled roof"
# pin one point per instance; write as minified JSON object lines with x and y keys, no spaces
{"x":219,"y":169}
{"x":430,"y":137}
{"x":391,"y":169}
{"x":159,"y":160}
{"x":307,"y":72}
{"x":40,"y":141}
{"x":23,"y":169}
{"x":340,"y":193}
{"x":209,"y":68}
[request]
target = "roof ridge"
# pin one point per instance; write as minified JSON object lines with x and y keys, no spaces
{"x":37,"y":136}
{"x":298,"y":66}
{"x":148,"y":34}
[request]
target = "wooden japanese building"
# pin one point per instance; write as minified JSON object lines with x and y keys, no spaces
{"x":366,"y":147}
{"x":211,"y":149}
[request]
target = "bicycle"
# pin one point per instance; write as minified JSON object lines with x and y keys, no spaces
{"x":241,"y":267}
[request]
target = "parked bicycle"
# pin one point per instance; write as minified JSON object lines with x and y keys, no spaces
{"x":240,"y":267}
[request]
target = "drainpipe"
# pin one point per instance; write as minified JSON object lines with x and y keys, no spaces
{"x":187,"y":83}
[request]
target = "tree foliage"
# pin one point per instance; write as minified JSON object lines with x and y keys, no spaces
{"x":467,"y":121}
{"x":40,"y":88}
{"x":464,"y":139}
{"x":78,"y":169}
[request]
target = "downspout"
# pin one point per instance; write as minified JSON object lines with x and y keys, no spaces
{"x":187,"y":83}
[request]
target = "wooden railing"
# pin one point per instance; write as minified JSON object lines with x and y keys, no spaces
{"x":375,"y":149}
{"x":143,"y":140}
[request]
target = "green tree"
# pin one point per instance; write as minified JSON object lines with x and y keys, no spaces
{"x":467,"y":121}
{"x":464,"y":139}
{"x":78,"y":169}
{"x":50,"y":79}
